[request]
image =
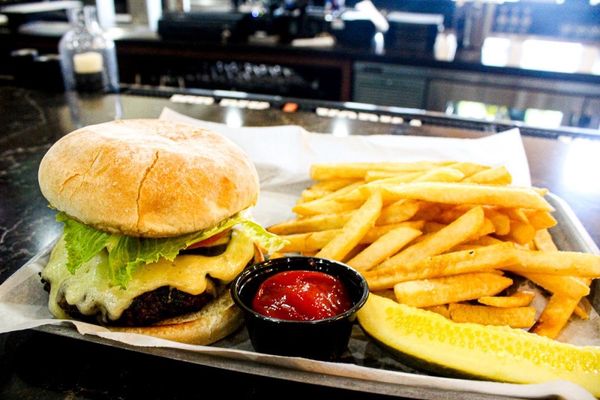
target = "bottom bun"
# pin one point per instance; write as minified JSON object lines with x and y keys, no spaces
{"x":213,"y":322}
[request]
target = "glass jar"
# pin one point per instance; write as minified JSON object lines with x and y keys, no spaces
{"x":88,"y":57}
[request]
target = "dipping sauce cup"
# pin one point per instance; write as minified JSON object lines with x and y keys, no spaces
{"x":323,"y":339}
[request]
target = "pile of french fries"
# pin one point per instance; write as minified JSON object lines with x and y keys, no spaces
{"x":451,"y":237}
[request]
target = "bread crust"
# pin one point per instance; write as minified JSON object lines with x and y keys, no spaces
{"x":213,"y":322}
{"x":148,"y":178}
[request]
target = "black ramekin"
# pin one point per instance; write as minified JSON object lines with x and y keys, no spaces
{"x":324,"y":339}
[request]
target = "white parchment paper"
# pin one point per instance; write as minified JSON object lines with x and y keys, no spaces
{"x":283,"y":155}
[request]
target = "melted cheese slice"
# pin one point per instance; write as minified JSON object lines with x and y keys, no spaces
{"x":91,"y":290}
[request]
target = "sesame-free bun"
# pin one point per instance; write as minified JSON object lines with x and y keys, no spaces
{"x":218,"y":319}
{"x":146,"y":177}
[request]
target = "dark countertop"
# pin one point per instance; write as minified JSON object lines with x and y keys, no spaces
{"x":39,"y":365}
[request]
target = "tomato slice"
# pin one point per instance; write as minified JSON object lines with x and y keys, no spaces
{"x":219,"y":238}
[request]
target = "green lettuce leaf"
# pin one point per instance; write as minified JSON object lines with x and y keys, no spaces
{"x":259,"y":235}
{"x":126,"y":253}
{"x":82,"y":242}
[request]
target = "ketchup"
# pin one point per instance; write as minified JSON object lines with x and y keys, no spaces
{"x":301,"y":296}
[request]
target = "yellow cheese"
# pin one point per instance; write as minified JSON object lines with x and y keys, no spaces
{"x":90,"y":288}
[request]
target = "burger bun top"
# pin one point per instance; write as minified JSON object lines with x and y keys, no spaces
{"x":147,"y":177}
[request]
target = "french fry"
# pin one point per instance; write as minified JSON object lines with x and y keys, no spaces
{"x":332,"y":184}
{"x":326,"y":204}
{"x":383,"y":247}
{"x":501,"y":221}
{"x":313,"y":223}
{"x":399,"y":211}
{"x":442,"y":174}
{"x":355,"y":196}
{"x":460,"y":262}
{"x":358,"y":170}
{"x":484,"y":240}
{"x":397,"y":177}
{"x":543,"y":241}
{"x":557,"y":263}
{"x":516,"y":317}
{"x":354,"y":252}
{"x":530,"y":246}
{"x":457,"y":232}
{"x":322,"y":206}
{"x":466,"y":246}
{"x":540,"y":219}
{"x":492,"y":176}
{"x":451,"y":289}
{"x":520,"y":232}
{"x":555,"y":316}
{"x":312,"y":194}
{"x":354,"y":230}
{"x":516,"y":214}
{"x":450,"y":214}
{"x":466,"y":193}
{"x":441,"y":309}
{"x":315,"y":241}
{"x":564,"y":285}
{"x":468,"y":168}
{"x":486,"y":228}
{"x":428,"y":211}
{"x":518,"y":299}
{"x":432,"y":227}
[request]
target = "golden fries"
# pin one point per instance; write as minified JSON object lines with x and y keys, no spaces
{"x":464,"y":228}
{"x":450,"y":289}
{"x":383,"y":247}
{"x":468,"y":168}
{"x":557,"y":263}
{"x":354,"y":230}
{"x":500,"y":221}
{"x":543,"y":241}
{"x":326,"y":204}
{"x":516,"y":317}
{"x":520,"y":232}
{"x":459,"y":262}
{"x":565,"y":285}
{"x":435,"y":234}
{"x":541,"y":220}
{"x":492,"y":176}
{"x":397,"y":177}
{"x":442,"y":310}
{"x":555,"y":315}
{"x":315,"y":241}
{"x":466,"y":193}
{"x":399,"y":211}
{"x":359,"y":170}
{"x":314,"y":223}
{"x":332,"y":185}
{"x":518,"y":299}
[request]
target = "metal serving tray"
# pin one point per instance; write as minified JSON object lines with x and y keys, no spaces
{"x":569,"y":234}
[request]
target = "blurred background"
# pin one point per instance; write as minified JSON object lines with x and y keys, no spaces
{"x":532,"y":61}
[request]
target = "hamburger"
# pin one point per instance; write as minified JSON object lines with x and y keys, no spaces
{"x":155,"y":228}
